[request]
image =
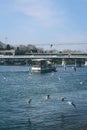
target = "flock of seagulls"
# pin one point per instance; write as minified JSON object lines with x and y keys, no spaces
{"x":62,"y":99}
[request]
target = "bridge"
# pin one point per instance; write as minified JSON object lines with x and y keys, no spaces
{"x":78,"y":59}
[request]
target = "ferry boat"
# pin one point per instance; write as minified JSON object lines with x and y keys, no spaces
{"x":42,"y":65}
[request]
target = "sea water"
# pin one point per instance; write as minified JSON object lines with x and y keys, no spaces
{"x":18,"y":85}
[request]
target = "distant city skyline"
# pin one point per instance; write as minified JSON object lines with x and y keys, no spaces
{"x":59,"y":22}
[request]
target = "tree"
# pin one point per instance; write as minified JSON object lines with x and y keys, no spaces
{"x":8,"y":47}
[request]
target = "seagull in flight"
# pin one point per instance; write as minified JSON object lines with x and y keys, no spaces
{"x":29,"y":101}
{"x":71,"y":103}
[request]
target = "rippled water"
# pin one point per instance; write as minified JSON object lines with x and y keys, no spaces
{"x":17,"y":86}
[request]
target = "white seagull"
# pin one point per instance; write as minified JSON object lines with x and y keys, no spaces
{"x":68,"y":102}
{"x":47,"y":97}
{"x":59,"y":77}
{"x":81,"y":82}
{"x":71,"y":103}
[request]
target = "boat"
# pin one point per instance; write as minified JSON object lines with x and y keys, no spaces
{"x":42,"y":65}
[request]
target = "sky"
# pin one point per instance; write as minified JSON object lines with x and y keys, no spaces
{"x":62,"y":23}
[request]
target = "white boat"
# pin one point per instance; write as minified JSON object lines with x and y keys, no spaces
{"x":42,"y":65}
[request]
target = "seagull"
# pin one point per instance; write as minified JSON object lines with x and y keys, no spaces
{"x":29,"y":101}
{"x":71,"y":103}
{"x":81,"y":82}
{"x":4,"y":77}
{"x":63,"y":98}
{"x":59,"y":77}
{"x":47,"y":97}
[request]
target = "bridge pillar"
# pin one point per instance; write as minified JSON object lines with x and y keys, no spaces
{"x":63,"y":62}
{"x":85,"y":62}
{"x":78,"y":62}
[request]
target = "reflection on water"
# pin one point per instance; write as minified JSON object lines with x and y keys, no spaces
{"x":29,"y":124}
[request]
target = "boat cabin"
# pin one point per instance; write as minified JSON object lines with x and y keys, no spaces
{"x":42,"y":65}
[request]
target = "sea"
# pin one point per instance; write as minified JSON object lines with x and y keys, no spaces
{"x":18,"y":85}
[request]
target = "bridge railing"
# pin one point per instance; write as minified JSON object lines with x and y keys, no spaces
{"x":57,"y":55}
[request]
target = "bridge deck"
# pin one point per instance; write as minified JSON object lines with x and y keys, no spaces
{"x":46,"y":56}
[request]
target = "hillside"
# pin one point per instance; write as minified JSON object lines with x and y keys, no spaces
{"x":2,"y":45}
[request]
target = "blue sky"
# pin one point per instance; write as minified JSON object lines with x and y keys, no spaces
{"x":44,"y":22}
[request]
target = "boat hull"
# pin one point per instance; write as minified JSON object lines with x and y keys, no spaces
{"x":43,"y":70}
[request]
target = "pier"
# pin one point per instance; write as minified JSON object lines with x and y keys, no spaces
{"x":77,"y":59}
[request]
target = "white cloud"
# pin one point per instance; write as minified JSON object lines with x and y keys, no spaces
{"x":41,"y":11}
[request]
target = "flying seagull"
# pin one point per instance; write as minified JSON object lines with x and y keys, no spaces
{"x":68,"y":102}
{"x":29,"y":101}
{"x":71,"y":103}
